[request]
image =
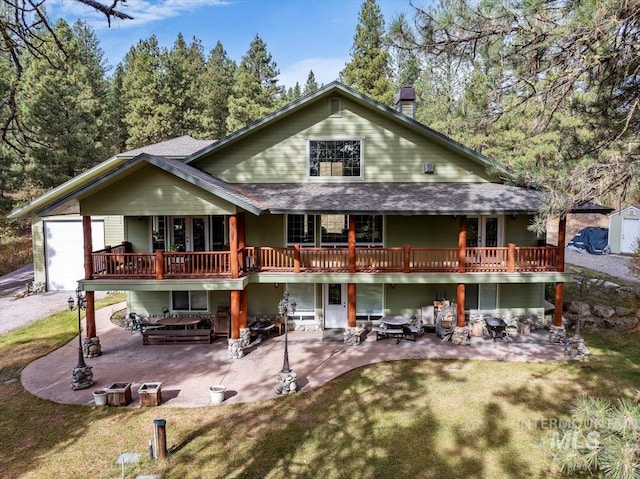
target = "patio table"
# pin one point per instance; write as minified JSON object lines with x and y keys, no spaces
{"x":185,"y":321}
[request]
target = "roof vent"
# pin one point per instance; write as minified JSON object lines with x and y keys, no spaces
{"x":334,"y":106}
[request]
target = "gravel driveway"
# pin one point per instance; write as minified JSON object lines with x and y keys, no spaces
{"x":615,"y":265}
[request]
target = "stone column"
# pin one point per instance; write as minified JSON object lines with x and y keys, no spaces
{"x":236,"y":351}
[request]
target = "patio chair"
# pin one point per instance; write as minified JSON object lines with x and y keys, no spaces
{"x":165,"y":312}
{"x":135,"y":323}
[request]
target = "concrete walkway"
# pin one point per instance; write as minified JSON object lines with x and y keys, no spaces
{"x":187,"y":371}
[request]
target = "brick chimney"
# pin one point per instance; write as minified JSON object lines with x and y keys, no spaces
{"x":406,"y":101}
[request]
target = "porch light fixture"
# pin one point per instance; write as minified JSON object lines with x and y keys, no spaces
{"x":286,"y":307}
{"x":82,"y":377}
{"x":276,"y":285}
{"x":393,"y":285}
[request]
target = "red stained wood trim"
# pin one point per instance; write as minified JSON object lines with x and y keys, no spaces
{"x":159,"y":264}
{"x":352,"y":244}
{"x":233,"y":245}
{"x":460,"y":296}
{"x":562,"y":235}
{"x":511,"y":258}
{"x":462,"y":243}
{"x":351,"y":305}
{"x":296,"y":258}
{"x":235,"y":314}
{"x":559,"y":299}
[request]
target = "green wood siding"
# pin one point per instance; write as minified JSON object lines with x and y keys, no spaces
{"x":391,"y":151}
{"x":266,"y":230}
{"x":408,"y":299}
{"x":521,"y":296}
{"x":264,"y":298}
{"x":37,"y":238}
{"x":138,"y":231}
{"x":113,"y":230}
{"x":422,"y":231}
{"x":515,"y":231}
{"x":152,"y":191}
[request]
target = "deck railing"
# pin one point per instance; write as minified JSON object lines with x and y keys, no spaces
{"x":116,"y":263}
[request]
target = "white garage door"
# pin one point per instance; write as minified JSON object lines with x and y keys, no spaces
{"x":64,"y":252}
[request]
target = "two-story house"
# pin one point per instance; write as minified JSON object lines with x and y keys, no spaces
{"x":356,"y":209}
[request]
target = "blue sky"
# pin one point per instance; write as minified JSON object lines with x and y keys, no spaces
{"x":301,"y":35}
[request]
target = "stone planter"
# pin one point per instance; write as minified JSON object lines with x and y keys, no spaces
{"x":119,"y":394}
{"x":217,"y":393}
{"x":150,"y":394}
{"x":100,"y":397}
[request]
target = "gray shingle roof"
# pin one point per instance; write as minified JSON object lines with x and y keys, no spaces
{"x":179,"y":147}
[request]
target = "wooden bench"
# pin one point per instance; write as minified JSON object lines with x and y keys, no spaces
{"x":168,"y":336}
{"x":383,"y":333}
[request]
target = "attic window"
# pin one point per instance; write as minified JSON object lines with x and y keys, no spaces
{"x":334,"y":106}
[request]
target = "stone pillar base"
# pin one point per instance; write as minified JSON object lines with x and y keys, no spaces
{"x":287,"y":382}
{"x":460,"y":336}
{"x":575,"y":348}
{"x":245,"y":337}
{"x":353,"y":336}
{"x":91,"y":347}
{"x":557,"y":334}
{"x":81,"y":378}
{"x":235,"y":349}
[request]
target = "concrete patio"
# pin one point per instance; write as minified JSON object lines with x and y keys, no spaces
{"x":186,"y":371}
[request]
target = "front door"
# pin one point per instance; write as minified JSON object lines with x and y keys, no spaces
{"x":630,"y":232}
{"x":335,"y":306}
{"x":483,"y":231}
{"x":189,"y":233}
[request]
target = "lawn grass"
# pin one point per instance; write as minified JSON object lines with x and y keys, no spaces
{"x":414,"y":418}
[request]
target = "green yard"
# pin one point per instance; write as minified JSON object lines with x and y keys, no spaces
{"x":419,"y":418}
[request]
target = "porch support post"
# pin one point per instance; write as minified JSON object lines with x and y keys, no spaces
{"x":235,"y":342}
{"x":406,"y":258}
{"x":91,"y":343}
{"x":351,"y":305}
{"x":242,"y":240}
{"x":233,"y":245}
{"x":159,"y":264}
{"x":352,"y":246}
{"x":562,"y":234}
{"x":462,"y":243}
{"x":511,"y":258}
{"x":296,"y":258}
{"x":460,"y":296}
{"x":557,"y":332}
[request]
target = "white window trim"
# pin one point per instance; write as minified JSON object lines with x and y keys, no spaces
{"x":336,"y":179}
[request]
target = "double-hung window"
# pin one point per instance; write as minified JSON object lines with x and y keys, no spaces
{"x":301,"y":230}
{"x":189,"y":301}
{"x":335,"y":158}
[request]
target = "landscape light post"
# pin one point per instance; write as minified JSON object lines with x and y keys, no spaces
{"x":286,"y":377}
{"x":81,"y":376}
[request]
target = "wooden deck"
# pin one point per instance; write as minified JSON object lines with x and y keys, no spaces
{"x":117,"y":263}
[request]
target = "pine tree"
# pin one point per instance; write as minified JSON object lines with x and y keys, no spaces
{"x":145,"y":106}
{"x":183,"y":83}
{"x":369,"y":70}
{"x":217,"y":88}
{"x":311,"y":85}
{"x":255,"y":90}
{"x":117,"y":109}
{"x":64,"y":108}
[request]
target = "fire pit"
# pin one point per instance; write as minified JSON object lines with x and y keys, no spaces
{"x":497,"y":328}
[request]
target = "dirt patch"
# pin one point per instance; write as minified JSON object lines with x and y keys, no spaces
{"x":119,"y":318}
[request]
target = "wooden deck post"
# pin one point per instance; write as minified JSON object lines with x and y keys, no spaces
{"x":351,"y":305}
{"x":242,"y":241}
{"x":559,"y":299}
{"x":88,"y":272}
{"x":406,"y":259}
{"x":562,"y":234}
{"x":159,"y":264}
{"x":559,"y":293}
{"x":235,"y":314}
{"x":461,"y":321}
{"x":462,"y":243}
{"x":352,"y":244}
{"x":511,"y":258}
{"x":233,"y":246}
{"x":296,"y":258}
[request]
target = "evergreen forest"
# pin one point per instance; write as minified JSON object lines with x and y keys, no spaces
{"x":548,"y":88}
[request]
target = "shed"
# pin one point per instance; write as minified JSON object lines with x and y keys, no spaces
{"x":624,"y":230}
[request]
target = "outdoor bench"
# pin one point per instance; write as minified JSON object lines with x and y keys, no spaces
{"x":168,"y":336}
{"x":383,"y":333}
